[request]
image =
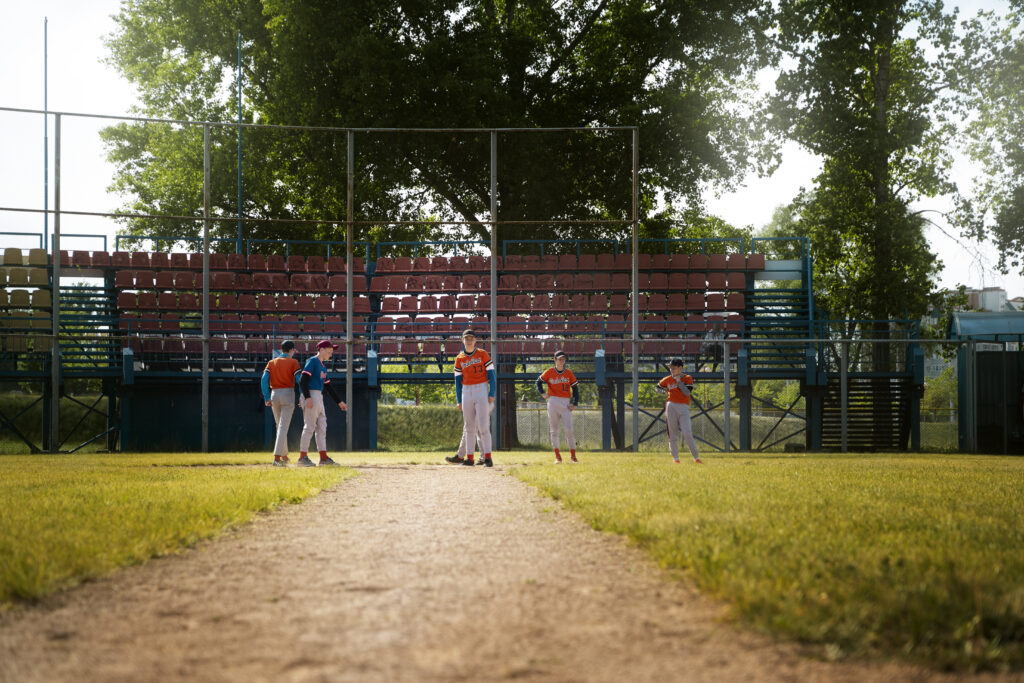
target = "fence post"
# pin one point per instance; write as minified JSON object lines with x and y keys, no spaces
{"x":844,"y":394}
{"x":206,"y":290}
{"x":55,"y":297}
{"x":726,"y":398}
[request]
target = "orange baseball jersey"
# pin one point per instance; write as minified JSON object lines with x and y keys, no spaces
{"x":671,"y":384}
{"x":472,"y":368}
{"x":282,"y":372}
{"x":559,"y":384}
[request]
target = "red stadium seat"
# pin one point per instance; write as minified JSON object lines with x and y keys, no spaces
{"x":716,"y":281}
{"x":276,"y":262}
{"x":696,"y":282}
{"x":446,"y":303}
{"x":715,"y":302}
{"x":754,"y":261}
{"x":81,"y":259}
{"x":296,"y":263}
{"x":432,"y":283}
{"x":286,"y":303}
{"x":414,"y":283}
{"x":506,"y":302}
{"x":675,"y":324}
{"x":409,"y":304}
{"x":266,"y":302}
{"x":315,"y":264}
{"x":124,"y":279}
{"x":717,"y":262}
{"x":512,"y":262}
{"x":567,"y":263}
{"x":127,"y":300}
{"x":159,"y":259}
{"x":562,"y":282}
{"x":262,"y":281}
{"x":421,"y":264}
{"x":139,"y":259}
{"x":734,"y":302}
{"x":587,"y":262}
{"x":451,"y":283}
{"x":656,"y":302}
{"x":227,"y":302}
{"x":556,"y":324}
{"x":439,"y":264}
{"x":541,"y":304}
{"x":698,"y":262}
{"x":428,"y":304}
{"x":470,"y":283}
{"x":195,"y":261}
{"x":605,"y":262}
{"x":661,"y":262}
{"x":620,"y":282}
{"x":580,"y":302}
{"x":602,"y":282}
{"x":624,"y":262}
{"x":164,"y":279}
{"x":549,"y":262}
{"x":615,"y":324}
{"x":658,"y":282}
{"x":477,"y":262}
{"x":385,"y":264}
{"x":184,"y":279}
{"x":235,"y":261}
{"x":483,"y":303}
{"x":335,"y":264}
{"x":583,"y":282}
{"x":390,"y":304}
{"x":652,"y":325}
{"x":695,"y":301}
{"x":299,"y":282}
{"x":457,"y":264}
{"x":243,"y":281}
{"x":522,"y":302}
{"x":545,"y":282}
{"x":247,"y":302}
{"x":305,"y":303}
{"x":100,"y":259}
{"x":147,"y":300}
{"x":378,"y":285}
{"x":397,"y":283}
{"x":736,"y":281}
{"x":676,"y":302}
{"x":167,"y":301}
{"x":256,"y":262}
{"x":527,"y":282}
{"x":597,"y":303}
{"x":466,"y":302}
{"x":318,"y":282}
{"x":218,"y":262}
{"x":187,"y":301}
{"x":736,"y":262}
{"x":618,"y":302}
{"x":288,"y":325}
{"x":560,"y":303}
{"x":221,"y":280}
{"x":680,"y":262}
{"x":403,"y":264}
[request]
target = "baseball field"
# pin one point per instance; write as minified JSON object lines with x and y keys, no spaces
{"x":853,"y":567}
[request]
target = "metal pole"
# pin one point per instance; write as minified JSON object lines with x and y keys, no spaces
{"x":238,"y":244}
{"x":494,"y":284}
{"x":46,"y":137}
{"x":844,"y":394}
{"x":1005,"y":401}
{"x":55,"y":296}
{"x":726,"y":397}
{"x":350,"y":163}
{"x":635,"y":305}
{"x":206,"y":291}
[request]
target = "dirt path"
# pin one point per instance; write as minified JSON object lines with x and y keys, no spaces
{"x":404,"y":573}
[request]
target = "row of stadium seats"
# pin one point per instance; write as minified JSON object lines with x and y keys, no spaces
{"x":545,"y":282}
{"x":22,"y":298}
{"x":29,"y":257}
{"x":21,"y":331}
{"x":566,"y":263}
{"x":539,"y":303}
{"x":407,"y":326}
{"x":21,"y":277}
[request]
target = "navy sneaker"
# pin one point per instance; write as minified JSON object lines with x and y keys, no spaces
{"x":327,"y":462}
{"x":468,"y":463}
{"x":487,"y":462}
{"x":454,"y":459}
{"x":304,"y":461}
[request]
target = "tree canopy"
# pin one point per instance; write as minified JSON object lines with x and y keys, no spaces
{"x":681,"y":71}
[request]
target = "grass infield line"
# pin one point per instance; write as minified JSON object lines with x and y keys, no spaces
{"x":67,"y":519}
{"x":910,"y":556}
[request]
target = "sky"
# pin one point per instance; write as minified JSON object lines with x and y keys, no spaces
{"x":79,"y":81}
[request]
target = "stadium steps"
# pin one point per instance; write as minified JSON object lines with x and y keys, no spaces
{"x":876,"y":419}
{"x":776,"y":314}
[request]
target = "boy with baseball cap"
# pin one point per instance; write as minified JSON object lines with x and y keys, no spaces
{"x":313,"y":381}
{"x":678,"y":387}
{"x":555,"y":385}
{"x":475,"y":384}
{"x":278,"y":384}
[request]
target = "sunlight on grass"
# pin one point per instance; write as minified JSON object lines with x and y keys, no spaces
{"x":917,"y":556}
{"x":64,"y":519}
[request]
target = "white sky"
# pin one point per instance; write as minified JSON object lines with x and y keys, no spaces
{"x":79,"y":82}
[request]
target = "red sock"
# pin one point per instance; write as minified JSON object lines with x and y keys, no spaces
{"x":469,"y":457}
{"x":323,"y":455}
{"x":487,"y":456}
{"x":302,"y":454}
{"x":557,"y":454}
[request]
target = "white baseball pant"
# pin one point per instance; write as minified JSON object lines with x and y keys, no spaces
{"x":476,"y":416}
{"x":282,"y":402}
{"x":677,"y":415}
{"x":559,"y":415}
{"x":462,"y":442}
{"x":314,"y":421}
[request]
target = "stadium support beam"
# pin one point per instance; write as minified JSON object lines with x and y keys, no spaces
{"x":726,"y":398}
{"x":55,"y":297}
{"x":635,"y":304}
{"x":206,"y":291}
{"x":495,"y":351}
{"x":350,"y":162}
{"x":844,"y":393}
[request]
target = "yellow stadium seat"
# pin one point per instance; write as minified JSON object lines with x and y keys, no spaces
{"x":38,"y":257}
{"x":43,"y":323}
{"x":18,"y":298}
{"x":17,"y":277}
{"x":41,"y":298}
{"x":38,"y":277}
{"x":13,"y":257}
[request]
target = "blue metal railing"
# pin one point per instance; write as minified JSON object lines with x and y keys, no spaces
{"x":66,"y":235}
{"x":579,"y":250}
{"x":702,"y":241}
{"x":37,"y":235}
{"x":455,"y":244}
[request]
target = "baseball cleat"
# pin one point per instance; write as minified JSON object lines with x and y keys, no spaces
{"x":468,"y":463}
{"x":305,"y":462}
{"x":572,"y":458}
{"x":558,"y":461}
{"x":698,"y":461}
{"x":487,"y":462}
{"x":454,"y":459}
{"x":480,"y":461}
{"x":327,"y":462}
{"x":280,"y":463}
{"x":676,"y":461}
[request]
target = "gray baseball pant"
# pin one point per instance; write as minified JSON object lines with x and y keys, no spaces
{"x":476,"y":416}
{"x":677,"y":415}
{"x":282,"y":402}
{"x":462,"y":443}
{"x":314,"y":421}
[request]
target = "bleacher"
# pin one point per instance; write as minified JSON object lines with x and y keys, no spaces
{"x":26,"y":306}
{"x":412,"y":310}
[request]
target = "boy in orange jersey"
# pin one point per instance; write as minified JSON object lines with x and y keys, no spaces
{"x":677,"y":409}
{"x":278,"y":384}
{"x":475,"y":385}
{"x":555,"y":385}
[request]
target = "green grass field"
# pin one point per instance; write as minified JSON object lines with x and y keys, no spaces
{"x":920,"y":557}
{"x":913,"y":556}
{"x":65,"y":519}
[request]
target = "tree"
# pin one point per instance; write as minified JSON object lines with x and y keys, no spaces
{"x":994,"y":83}
{"x":866,"y":95}
{"x":680,"y":72}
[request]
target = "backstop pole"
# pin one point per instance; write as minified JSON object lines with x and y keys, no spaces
{"x":494,"y":290}
{"x":350,"y":162}
{"x":206,"y":290}
{"x":635,"y":289}
{"x":55,"y":297}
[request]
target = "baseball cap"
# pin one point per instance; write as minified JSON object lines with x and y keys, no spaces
{"x":677,"y":362}
{"x":326,"y":344}
{"x":561,"y":354}
{"x":287,"y":346}
{"x":468,"y":333}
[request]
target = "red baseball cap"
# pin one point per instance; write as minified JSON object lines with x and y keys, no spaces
{"x":326,"y":344}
